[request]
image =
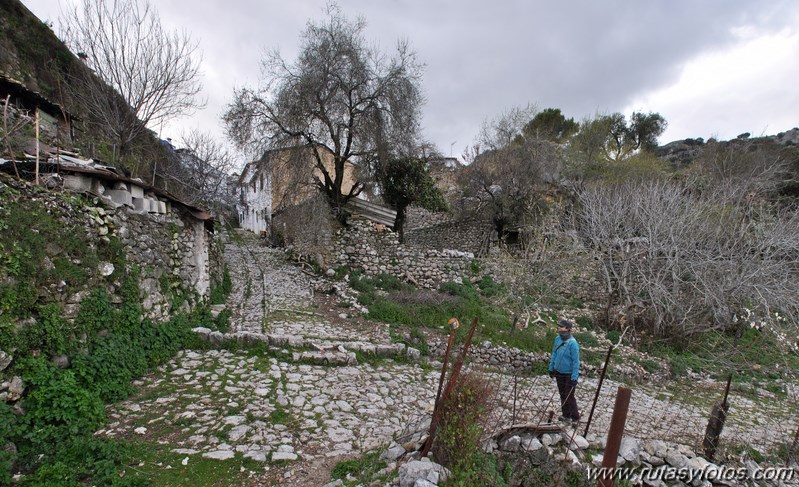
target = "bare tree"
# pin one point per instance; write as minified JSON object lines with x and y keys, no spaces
{"x":688,"y":260}
{"x":507,"y":169}
{"x":499,"y":132}
{"x":745,"y":167}
{"x":200,"y":171}
{"x":147,"y":75}
{"x":340,"y":96}
{"x":19,"y":119}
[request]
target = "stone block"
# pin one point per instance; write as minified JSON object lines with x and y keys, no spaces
{"x":152,"y":205}
{"x":120,"y":197}
{"x":78,"y":182}
{"x":136,"y":191}
{"x":5,"y":360}
{"x":140,"y":204}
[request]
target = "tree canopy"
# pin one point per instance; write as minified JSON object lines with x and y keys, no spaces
{"x":341,"y":95}
{"x":551,"y":125}
{"x":405,"y":181}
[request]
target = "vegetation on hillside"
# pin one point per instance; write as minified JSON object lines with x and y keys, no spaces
{"x":45,"y":257}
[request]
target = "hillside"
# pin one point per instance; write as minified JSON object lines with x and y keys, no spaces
{"x":32,"y":55}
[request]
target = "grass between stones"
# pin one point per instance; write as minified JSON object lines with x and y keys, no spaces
{"x":156,"y":464}
{"x":365,"y":470}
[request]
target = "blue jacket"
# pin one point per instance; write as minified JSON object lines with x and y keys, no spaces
{"x":566,"y":359}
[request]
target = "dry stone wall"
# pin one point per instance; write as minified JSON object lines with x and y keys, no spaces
{"x":362,"y":246}
{"x":175,"y":252}
{"x":436,"y":230}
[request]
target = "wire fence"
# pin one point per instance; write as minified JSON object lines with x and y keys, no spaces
{"x":761,"y":422}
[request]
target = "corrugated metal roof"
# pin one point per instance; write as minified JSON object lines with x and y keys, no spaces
{"x":373,"y":211}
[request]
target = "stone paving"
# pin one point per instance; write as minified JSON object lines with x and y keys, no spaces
{"x":272,"y":295}
{"x":219,"y":403}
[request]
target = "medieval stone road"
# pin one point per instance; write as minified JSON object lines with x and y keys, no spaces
{"x":220,"y":403}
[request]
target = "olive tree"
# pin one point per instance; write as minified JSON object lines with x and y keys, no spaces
{"x":143,"y":75}
{"x":341,"y":96}
{"x":405,"y":181}
{"x":605,"y":140}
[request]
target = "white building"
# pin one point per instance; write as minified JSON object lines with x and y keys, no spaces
{"x":254,"y":202}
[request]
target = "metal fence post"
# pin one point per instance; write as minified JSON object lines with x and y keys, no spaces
{"x":715,"y":424}
{"x":598,"y":389}
{"x":615,"y":434}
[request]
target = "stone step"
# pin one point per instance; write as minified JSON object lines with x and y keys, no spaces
{"x":318,"y":347}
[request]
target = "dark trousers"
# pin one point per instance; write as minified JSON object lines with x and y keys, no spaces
{"x":568,"y":403}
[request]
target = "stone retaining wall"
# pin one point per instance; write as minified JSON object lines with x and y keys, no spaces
{"x":496,"y":356}
{"x":174,"y":251}
{"x":364,"y":247}
{"x":435,"y":230}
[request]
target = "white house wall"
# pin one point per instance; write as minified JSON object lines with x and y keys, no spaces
{"x":255,"y":212}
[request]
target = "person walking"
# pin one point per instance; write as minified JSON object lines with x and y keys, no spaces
{"x":564,"y":367}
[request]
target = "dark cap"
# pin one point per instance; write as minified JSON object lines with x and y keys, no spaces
{"x":566,"y":324}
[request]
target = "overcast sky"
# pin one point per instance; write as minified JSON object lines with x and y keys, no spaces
{"x":710,"y":67}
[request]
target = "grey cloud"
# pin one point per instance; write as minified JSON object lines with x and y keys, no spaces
{"x":582,"y":56}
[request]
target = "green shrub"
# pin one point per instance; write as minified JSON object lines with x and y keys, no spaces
{"x":57,"y":406}
{"x":456,"y":445}
{"x":8,"y":424}
{"x":95,"y":314}
{"x":110,"y":366}
{"x":360,"y":283}
{"x":50,"y":334}
{"x":387,"y":282}
{"x":464,"y":290}
{"x":221,"y":291}
{"x":489,"y":287}
{"x":474,"y":267}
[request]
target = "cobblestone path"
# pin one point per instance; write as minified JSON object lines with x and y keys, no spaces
{"x":221,"y":404}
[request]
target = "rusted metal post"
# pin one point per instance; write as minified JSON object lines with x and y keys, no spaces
{"x":453,"y":378}
{"x":615,"y":435}
{"x":715,"y":424}
{"x":515,"y":396}
{"x":453,"y":325}
{"x":792,"y":450}
{"x":598,"y":389}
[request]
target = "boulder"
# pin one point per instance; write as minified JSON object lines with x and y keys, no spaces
{"x":15,"y":389}
{"x":394,"y":452}
{"x":422,"y":469}
{"x":577,"y":442}
{"x":675,"y":458}
{"x":630,"y":450}
{"x":5,"y":360}
{"x":512,"y":444}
